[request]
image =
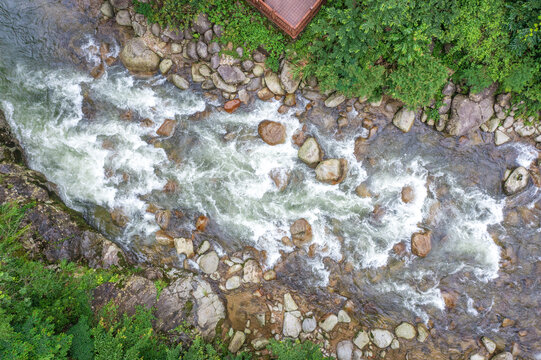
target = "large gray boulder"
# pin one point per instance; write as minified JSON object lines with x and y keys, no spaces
{"x":138,"y":58}
{"x":209,"y":309}
{"x":516,"y":181}
{"x":292,"y":325}
{"x":404,"y":119}
{"x":469,"y":113}
{"x":231,"y":74}
{"x":310,"y":153}
{"x":332,"y":171}
{"x":289,"y":82}
{"x":222,"y":85}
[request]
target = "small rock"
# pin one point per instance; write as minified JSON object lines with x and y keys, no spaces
{"x":123,"y":18}
{"x":269,"y":275}
{"x":503,"y":356}
{"x":344,"y":350}
{"x":289,"y":82}
{"x":179,"y":82}
{"x":363,"y":191}
{"x":273,"y":83}
{"x":265,"y":94}
{"x":381,"y":338}
{"x":237,"y":341}
{"x":395,"y":344}
{"x":232,"y":283}
{"x":489,"y":344}
{"x":202,"y":50}
{"x":231,"y":74}
{"x":517,"y":181}
{"x":309,"y":325}
{"x":289,"y":303}
{"x":222,"y":85}
{"x":167,"y":128}
{"x":202,"y":25}
{"x":120,"y":4}
{"x":247,"y":65}
{"x":258,"y":70}
{"x":361,"y":340}
{"x":232,"y":105}
{"x":404,"y":119}
{"x":244,"y":97}
{"x":422,"y":333}
{"x":209,"y":262}
{"x":165,"y":66}
{"x":421,"y":243}
{"x":310,"y":152}
{"x":184,"y":246}
{"x":332,"y":171}
{"x":329,"y":323}
{"x":405,"y":331}
{"x":107,"y":10}
{"x":334,"y":100}
{"x":301,"y":232}
{"x":290,"y":100}
{"x":252,"y":272}
{"x":292,"y":325}
{"x":260,"y":343}
{"x":343,"y":317}
{"x":203,"y":248}
{"x":477,"y":357}
{"x":272,"y":132}
{"x":501,"y":138}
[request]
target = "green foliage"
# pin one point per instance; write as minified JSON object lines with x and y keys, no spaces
{"x":288,"y":350}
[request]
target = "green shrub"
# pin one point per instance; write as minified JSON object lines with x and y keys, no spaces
{"x":288,"y":350}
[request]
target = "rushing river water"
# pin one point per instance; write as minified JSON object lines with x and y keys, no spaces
{"x":75,"y":131}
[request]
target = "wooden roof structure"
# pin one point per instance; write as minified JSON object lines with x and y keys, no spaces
{"x":291,"y":16}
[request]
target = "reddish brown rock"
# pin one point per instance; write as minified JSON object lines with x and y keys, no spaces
{"x":407,"y":194}
{"x":170,"y":187}
{"x":299,"y":137}
{"x":399,"y":248}
{"x":265,"y":94}
{"x":119,"y":218}
{"x":301,"y":232}
{"x":167,"y":128}
{"x":232,"y":105}
{"x":201,"y":223}
{"x":98,"y":71}
{"x":280,"y":177}
{"x":421,"y":243}
{"x":450,"y":298}
{"x":363,"y":191}
{"x":272,"y":132}
{"x":163,"y":217}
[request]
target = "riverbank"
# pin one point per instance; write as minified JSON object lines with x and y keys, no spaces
{"x":216,"y":284}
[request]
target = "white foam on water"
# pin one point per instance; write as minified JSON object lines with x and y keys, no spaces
{"x":526,"y":153}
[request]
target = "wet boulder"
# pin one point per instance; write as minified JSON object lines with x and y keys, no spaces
{"x":407,"y":194}
{"x":179,"y":82}
{"x":404,"y":119}
{"x":516,"y":181}
{"x":273,"y":83}
{"x":332,"y":171}
{"x":138,"y":58}
{"x":301,"y":232}
{"x":167,"y":128}
{"x":232,"y":105}
{"x":421,"y":243}
{"x":310,"y":153}
{"x":272,"y":132}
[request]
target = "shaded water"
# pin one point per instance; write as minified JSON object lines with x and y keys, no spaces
{"x":74,"y":130}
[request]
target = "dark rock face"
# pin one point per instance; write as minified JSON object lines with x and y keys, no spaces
{"x":55,"y":232}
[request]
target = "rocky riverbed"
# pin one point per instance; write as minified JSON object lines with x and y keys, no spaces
{"x":424,"y":227}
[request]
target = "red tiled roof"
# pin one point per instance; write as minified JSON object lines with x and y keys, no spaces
{"x":292,"y":16}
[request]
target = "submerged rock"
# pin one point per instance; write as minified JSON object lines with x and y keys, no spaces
{"x":421,"y":243}
{"x":310,"y":152}
{"x":517,"y":181}
{"x":407,"y":194}
{"x":272,"y":132}
{"x":332,"y":171}
{"x":301,"y":232}
{"x":167,"y":128}
{"x":138,"y":58}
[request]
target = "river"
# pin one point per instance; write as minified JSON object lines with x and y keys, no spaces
{"x":86,"y":136}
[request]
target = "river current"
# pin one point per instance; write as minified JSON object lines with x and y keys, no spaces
{"x":74,"y":130}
